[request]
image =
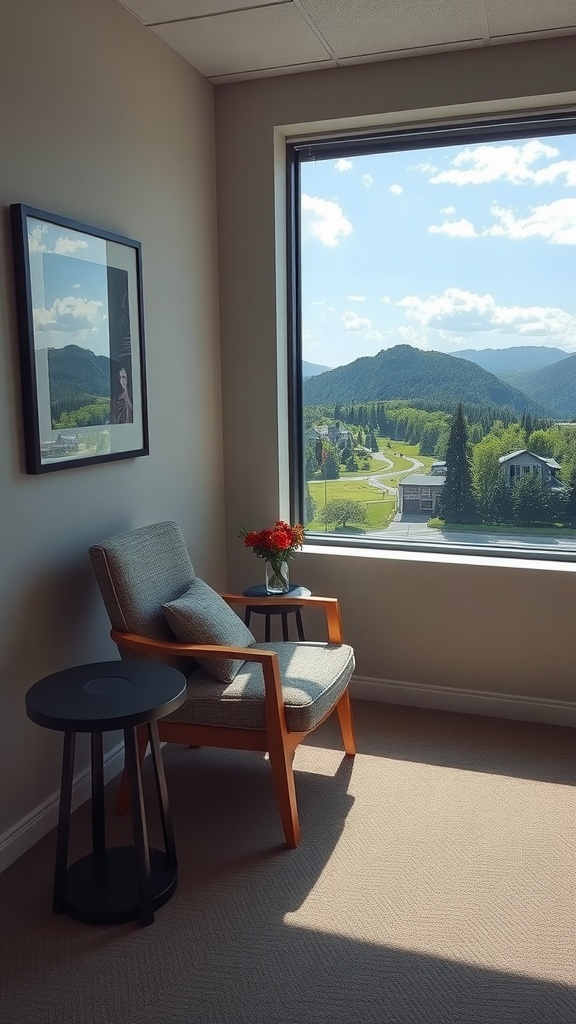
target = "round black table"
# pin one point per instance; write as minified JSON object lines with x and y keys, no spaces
{"x":122,"y":882}
{"x":277,"y":609}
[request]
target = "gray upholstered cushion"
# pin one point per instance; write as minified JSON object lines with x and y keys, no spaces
{"x":201,"y":616}
{"x":314,"y":676}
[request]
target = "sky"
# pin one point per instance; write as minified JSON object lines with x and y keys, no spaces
{"x":446,"y":249}
{"x":69,"y":289}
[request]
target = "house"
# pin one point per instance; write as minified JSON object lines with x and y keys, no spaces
{"x":523,"y":462}
{"x":102,"y":122}
{"x":332,"y":432}
{"x":420,"y":492}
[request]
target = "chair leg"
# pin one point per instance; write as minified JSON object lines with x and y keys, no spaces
{"x":345,"y":718}
{"x":123,"y":798}
{"x":283,"y":775}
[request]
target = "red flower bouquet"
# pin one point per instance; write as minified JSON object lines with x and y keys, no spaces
{"x":275,"y":546}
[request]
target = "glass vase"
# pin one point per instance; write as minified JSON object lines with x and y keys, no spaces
{"x":277,"y":579}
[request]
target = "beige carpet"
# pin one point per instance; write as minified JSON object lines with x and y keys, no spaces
{"x":435,"y":884}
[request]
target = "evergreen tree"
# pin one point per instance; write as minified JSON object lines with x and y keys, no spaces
{"x":310,"y":505}
{"x":570,"y":511}
{"x":458,"y":505}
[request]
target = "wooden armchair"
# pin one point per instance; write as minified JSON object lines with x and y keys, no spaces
{"x":240,"y":694}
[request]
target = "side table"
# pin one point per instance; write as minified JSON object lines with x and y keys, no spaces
{"x":276,"y":609}
{"x":120,"y":883}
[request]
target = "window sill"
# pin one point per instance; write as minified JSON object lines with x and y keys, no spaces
{"x":507,"y":561}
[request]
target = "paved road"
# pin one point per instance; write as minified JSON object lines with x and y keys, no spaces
{"x":413,"y":527}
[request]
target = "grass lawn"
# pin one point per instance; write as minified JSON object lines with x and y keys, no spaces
{"x":380,"y":507}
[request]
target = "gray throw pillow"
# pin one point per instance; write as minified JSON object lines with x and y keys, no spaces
{"x":201,"y":616}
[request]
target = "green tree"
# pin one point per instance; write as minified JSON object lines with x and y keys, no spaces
{"x":458,"y":505}
{"x":310,"y":505}
{"x":311,"y":464}
{"x":531,"y":500}
{"x":343,"y":511}
{"x":331,"y":463}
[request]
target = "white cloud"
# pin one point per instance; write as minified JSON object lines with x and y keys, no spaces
{"x":324,"y":220}
{"x":64,"y":246}
{"x":396,"y":189}
{"x":556,"y":221}
{"x":69,"y":314}
{"x":487,"y":163}
{"x":454,"y":228}
{"x":367,"y":180}
{"x":374,"y":335}
{"x":318,"y":302}
{"x":35,"y":243}
{"x":449,"y":210}
{"x":356,"y":298}
{"x":76,"y":285}
{"x":343,"y":165}
{"x":466,"y":312}
{"x":386,"y":299}
{"x":425,"y":167}
{"x":355,"y":323}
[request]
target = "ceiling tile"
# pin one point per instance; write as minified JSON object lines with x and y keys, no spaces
{"x":251,"y":40}
{"x":371,"y":26}
{"x":153,"y":12}
{"x":517,"y":16}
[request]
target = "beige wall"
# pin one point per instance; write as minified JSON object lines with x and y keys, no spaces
{"x":502,"y":627}
{"x":101,"y":122}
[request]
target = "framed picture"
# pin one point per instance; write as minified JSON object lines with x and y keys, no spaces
{"x":81,"y":334}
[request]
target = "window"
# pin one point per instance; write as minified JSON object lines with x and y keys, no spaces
{"x":433,"y":335}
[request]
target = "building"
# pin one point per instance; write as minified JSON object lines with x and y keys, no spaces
{"x":420,"y":492}
{"x":523,"y":462}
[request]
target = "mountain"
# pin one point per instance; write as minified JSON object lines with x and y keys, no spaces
{"x":311,"y":369}
{"x":551,"y":386}
{"x":410,"y":373}
{"x":77,"y":377}
{"x":517,"y":357}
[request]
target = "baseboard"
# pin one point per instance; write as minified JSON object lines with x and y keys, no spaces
{"x":43,"y":819}
{"x":470,"y":702}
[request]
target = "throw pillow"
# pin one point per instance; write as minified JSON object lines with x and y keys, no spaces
{"x":201,"y":616}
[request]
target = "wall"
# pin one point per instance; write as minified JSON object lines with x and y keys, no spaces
{"x":101,"y":122}
{"x":437,"y":622}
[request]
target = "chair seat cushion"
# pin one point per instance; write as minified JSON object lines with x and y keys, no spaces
{"x":314,"y":676}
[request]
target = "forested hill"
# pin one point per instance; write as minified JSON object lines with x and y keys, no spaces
{"x":77,"y":377}
{"x":552,"y":386}
{"x":410,"y":373}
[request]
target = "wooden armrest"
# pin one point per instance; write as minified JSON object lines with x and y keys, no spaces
{"x":173,"y":647}
{"x":331,"y":607}
{"x":274,"y":699}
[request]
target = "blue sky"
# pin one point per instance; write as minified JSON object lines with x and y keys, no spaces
{"x":446,"y":249}
{"x":69,"y":288}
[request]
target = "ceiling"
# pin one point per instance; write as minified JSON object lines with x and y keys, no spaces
{"x":232,"y":40}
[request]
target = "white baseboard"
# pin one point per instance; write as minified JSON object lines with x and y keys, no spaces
{"x":26,"y":833}
{"x":470,"y":702}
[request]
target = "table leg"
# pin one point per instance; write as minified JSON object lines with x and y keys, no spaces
{"x":267,"y":628}
{"x":66,"y":784}
{"x":167,"y":829}
{"x":285,"y":633}
{"x":98,"y":824}
{"x":247,"y":616}
{"x":139,"y":827}
{"x":299,"y":625}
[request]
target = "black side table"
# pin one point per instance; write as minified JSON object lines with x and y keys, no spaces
{"x":277,"y":609}
{"x":122,"y":882}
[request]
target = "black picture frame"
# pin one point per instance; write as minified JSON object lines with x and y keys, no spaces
{"x":81,"y":339}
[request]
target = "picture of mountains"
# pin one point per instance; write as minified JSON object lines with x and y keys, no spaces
{"x":311,"y":369}
{"x":404,"y":372}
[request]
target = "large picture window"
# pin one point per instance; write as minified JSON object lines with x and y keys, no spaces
{"x":433,"y":337}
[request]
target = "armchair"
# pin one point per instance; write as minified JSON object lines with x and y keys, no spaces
{"x":240,"y":694}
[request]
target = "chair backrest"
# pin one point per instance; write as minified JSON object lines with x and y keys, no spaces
{"x":137,"y":573}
